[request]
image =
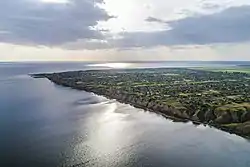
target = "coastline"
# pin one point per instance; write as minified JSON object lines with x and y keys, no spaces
{"x":171,"y":116}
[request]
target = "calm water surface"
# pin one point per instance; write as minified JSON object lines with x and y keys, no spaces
{"x":42,"y":124}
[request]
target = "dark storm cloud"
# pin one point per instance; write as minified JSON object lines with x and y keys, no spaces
{"x":229,"y":26}
{"x":36,"y":23}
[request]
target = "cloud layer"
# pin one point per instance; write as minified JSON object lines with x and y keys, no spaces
{"x":70,"y":26}
{"x":51,"y":24}
{"x":229,"y":26}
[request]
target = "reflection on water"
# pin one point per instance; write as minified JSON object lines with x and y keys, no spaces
{"x":121,"y":135}
{"x":113,"y":65}
{"x":45,"y":125}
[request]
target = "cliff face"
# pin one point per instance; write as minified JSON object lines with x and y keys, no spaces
{"x":234,"y":117}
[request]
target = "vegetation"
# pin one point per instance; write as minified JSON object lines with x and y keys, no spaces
{"x":235,"y":69}
{"x":220,"y":99}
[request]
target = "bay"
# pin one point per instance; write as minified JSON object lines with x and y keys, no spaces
{"x":45,"y":125}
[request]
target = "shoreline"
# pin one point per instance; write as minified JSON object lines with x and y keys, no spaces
{"x":171,"y":117}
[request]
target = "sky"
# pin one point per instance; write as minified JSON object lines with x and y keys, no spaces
{"x":124,"y":30}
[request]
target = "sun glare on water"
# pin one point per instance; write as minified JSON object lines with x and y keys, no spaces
{"x":112,"y":65}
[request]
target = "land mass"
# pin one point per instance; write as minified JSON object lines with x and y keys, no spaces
{"x":220,"y":99}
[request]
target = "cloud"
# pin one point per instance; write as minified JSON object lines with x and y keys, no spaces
{"x":33,"y":22}
{"x":228,"y":26}
{"x":71,"y":25}
{"x":87,"y":44}
{"x":153,"y":19}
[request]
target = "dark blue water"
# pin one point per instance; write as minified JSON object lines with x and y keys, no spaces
{"x":42,"y":124}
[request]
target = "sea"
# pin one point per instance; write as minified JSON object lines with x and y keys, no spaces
{"x":46,"y":125}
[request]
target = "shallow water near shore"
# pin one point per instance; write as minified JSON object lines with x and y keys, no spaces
{"x":42,"y":124}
